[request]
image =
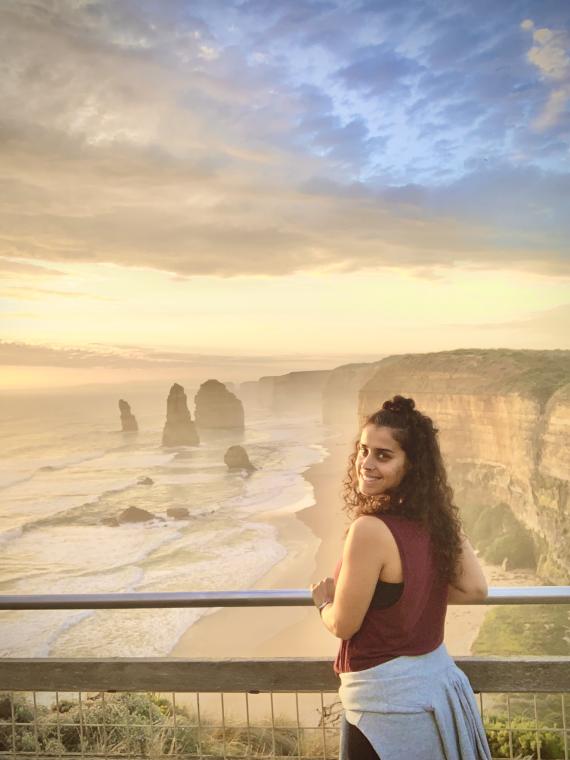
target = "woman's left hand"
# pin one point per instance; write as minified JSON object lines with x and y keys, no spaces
{"x":323,"y":591}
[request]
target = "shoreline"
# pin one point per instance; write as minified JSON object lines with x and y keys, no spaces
{"x":309,"y":536}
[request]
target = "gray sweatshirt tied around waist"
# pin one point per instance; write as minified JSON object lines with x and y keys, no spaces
{"x":420,"y":708}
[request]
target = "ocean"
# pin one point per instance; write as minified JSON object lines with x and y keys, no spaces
{"x":66,"y":466}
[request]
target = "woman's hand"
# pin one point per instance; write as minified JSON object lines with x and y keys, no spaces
{"x":323,"y":591}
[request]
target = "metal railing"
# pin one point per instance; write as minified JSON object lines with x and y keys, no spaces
{"x":279,"y":598}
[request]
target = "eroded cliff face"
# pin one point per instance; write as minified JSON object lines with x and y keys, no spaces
{"x":504,"y":421}
{"x":340,"y":393}
{"x":295,"y":392}
{"x":550,"y":484}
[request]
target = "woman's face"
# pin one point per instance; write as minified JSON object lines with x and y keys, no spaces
{"x":381,"y":462}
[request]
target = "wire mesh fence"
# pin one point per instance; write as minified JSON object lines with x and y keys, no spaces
{"x":208,"y":725}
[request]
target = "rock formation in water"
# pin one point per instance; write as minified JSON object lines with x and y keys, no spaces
{"x":236,"y":458}
{"x":179,"y":430}
{"x":144,"y":480}
{"x":136,"y":515}
{"x":178,"y":513}
{"x":504,"y":421}
{"x":217,"y":408}
{"x":128,"y":421}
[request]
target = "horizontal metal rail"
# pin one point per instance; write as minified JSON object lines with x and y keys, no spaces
{"x":279,"y":598}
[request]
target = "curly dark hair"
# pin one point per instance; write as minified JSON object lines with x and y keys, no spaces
{"x":424,"y":493}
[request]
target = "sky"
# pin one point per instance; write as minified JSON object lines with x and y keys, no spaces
{"x":191,"y":186}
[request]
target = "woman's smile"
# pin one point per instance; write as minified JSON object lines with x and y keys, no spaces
{"x":381,"y":463}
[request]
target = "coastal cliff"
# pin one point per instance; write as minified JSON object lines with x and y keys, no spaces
{"x":504,"y":421}
{"x":340,"y":392}
{"x":297,"y":392}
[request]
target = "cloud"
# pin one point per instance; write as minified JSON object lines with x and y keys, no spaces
{"x":553,"y":324}
{"x":379,"y":70}
{"x":30,"y":293}
{"x":550,"y":53}
{"x":137,"y":357}
{"x":11,"y":267}
{"x":28,"y":355}
{"x":275,"y":138}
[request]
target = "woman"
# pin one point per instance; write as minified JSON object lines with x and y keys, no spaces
{"x":405,"y":557}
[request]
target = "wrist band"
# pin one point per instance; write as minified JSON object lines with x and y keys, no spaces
{"x":322,"y":606}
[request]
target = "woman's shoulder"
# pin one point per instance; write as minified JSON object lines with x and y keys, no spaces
{"x":403,"y":525}
{"x":368,"y":527}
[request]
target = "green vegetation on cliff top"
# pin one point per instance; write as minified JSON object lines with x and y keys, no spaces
{"x":537,"y":374}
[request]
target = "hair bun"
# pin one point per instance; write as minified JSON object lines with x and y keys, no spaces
{"x":400,"y":405}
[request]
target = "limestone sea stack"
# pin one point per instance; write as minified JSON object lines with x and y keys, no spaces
{"x":236,"y":458}
{"x":128,"y":420}
{"x":179,"y":429}
{"x":217,"y":408}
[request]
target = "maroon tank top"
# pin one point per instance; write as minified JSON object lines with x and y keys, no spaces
{"x":415,"y":623}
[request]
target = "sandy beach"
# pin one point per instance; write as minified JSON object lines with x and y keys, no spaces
{"x":313,"y":538}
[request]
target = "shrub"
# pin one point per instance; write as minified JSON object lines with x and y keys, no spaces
{"x":499,"y":535}
{"x":516,"y":546}
{"x":525,"y":739}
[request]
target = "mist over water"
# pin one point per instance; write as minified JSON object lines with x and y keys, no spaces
{"x":66,"y":466}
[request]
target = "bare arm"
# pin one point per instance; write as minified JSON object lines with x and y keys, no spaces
{"x":362,"y":561}
{"x":470,"y":584}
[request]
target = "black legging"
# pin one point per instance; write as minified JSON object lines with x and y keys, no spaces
{"x":359,"y":748}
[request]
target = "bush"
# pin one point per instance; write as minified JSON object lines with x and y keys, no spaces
{"x":498,"y":535}
{"x":517,"y":547}
{"x":133,"y":724}
{"x":525,"y":739}
{"x":489,"y":524}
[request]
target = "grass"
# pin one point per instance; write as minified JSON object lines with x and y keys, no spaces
{"x":541,"y":629}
